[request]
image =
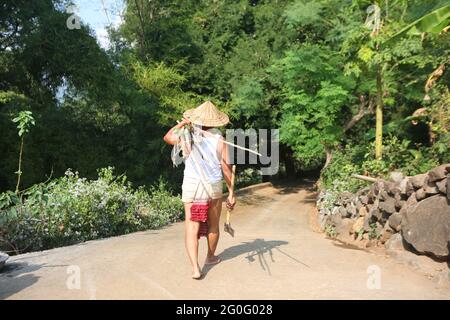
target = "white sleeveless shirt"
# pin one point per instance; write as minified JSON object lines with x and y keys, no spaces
{"x":206,"y":159}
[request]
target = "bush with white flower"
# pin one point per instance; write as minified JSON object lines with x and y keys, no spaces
{"x":72,"y":209}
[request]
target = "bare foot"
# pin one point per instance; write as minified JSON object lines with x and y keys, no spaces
{"x":213,"y":260}
{"x":197,"y":274}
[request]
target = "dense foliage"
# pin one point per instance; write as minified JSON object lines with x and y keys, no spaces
{"x":305,"y":67}
{"x":71,"y":209}
{"x":314,"y":69}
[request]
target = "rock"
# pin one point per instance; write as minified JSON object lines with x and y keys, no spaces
{"x":383,"y":195}
{"x":390,"y":187}
{"x":343,"y":212}
{"x":419,"y":180}
{"x":363,"y":191}
{"x":323,"y":220}
{"x":379,"y":228}
{"x":336,"y":219}
{"x":386,"y":233}
{"x":384,"y":217}
{"x":335,"y":210}
{"x":431,"y":188}
{"x":399,"y":204}
{"x":358,"y":204}
{"x":426,"y":226}
{"x":3,"y":258}
{"x":358,"y":225}
{"x":364,"y":199}
{"x":375,"y":188}
{"x":406,"y":187}
{"x":448,"y":188}
{"x":345,"y":197}
{"x":420,"y":194}
{"x":395,"y":242}
{"x":388,"y":206}
{"x":437,"y":173}
{"x":375,"y":204}
{"x":351,"y":209}
{"x":345,"y":228}
{"x":412,"y":200}
{"x":370,"y":243}
{"x":371,"y":217}
{"x":368,"y":220}
{"x":382,"y":189}
{"x":375,"y":214}
{"x":395,"y":221}
{"x":362,"y":211}
{"x":442,"y":185}
{"x":396,"y":177}
{"x":371,"y":197}
{"x":403,"y":210}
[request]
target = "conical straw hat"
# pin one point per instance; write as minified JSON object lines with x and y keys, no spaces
{"x":207,"y":115}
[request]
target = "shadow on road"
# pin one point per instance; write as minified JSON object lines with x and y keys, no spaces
{"x":16,"y":277}
{"x":252,"y":199}
{"x":259,"y":249}
{"x":294,"y":186}
{"x":312,"y":198}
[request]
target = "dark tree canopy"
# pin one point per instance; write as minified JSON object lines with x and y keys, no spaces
{"x":306,"y":67}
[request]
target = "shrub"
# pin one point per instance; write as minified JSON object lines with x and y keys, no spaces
{"x":71,"y":209}
{"x":336,"y":177}
{"x":398,"y":155}
{"x":247,"y":177}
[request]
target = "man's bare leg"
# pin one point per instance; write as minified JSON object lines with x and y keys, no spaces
{"x":191,"y":241}
{"x":213,"y":230}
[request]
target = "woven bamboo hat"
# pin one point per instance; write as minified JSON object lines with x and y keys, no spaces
{"x":206,"y":115}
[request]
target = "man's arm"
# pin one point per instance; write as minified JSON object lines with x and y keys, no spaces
{"x":171,"y":137}
{"x":227,"y":173}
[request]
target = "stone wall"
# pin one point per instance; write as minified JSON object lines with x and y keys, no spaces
{"x":416,"y":209}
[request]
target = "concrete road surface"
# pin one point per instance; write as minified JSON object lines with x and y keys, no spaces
{"x":274,"y":255}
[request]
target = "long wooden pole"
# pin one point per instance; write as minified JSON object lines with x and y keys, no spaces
{"x":233,"y":173}
{"x":379,"y":99}
{"x":379,"y":116}
{"x":232,"y":144}
{"x":365,"y":178}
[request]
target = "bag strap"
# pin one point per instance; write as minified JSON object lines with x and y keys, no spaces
{"x":196,"y":190}
{"x":202,"y":174}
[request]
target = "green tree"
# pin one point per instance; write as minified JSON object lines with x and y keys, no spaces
{"x":24,"y":122}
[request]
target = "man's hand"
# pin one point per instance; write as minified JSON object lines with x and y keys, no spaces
{"x":231,"y":201}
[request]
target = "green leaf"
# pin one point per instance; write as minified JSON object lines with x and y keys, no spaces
{"x":302,"y":13}
{"x":433,"y":22}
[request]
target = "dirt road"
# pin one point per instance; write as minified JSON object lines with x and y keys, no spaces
{"x":274,"y":255}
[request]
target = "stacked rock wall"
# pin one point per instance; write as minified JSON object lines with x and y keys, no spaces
{"x":417,"y":207}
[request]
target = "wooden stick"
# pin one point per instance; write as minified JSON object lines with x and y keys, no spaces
{"x":233,"y":174}
{"x":232,"y":144}
{"x":365,"y":178}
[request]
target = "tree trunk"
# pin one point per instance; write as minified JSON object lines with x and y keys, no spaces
{"x":19,"y":171}
{"x":288,"y":160}
{"x":329,"y":154}
{"x":379,"y":117}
